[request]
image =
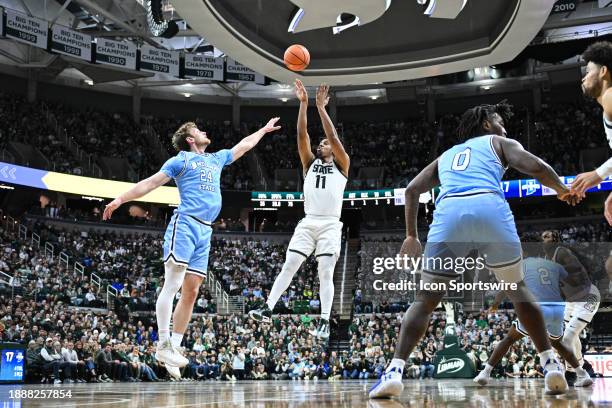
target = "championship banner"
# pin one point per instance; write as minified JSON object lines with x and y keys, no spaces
{"x":156,"y":60}
{"x":116,"y":53}
{"x":564,"y":6}
{"x":202,"y":67}
{"x":69,"y":42}
{"x":29,"y":30}
{"x":236,"y":72}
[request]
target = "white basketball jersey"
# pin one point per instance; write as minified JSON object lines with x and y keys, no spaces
{"x":323,"y":189}
{"x":608,"y":128}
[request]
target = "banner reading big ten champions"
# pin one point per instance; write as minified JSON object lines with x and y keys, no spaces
{"x":29,"y":30}
{"x":156,"y":60}
{"x":200,"y":66}
{"x":236,"y":72}
{"x":69,"y":42}
{"x":116,"y":53}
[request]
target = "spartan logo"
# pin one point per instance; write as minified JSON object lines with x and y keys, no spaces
{"x":452,"y":365}
{"x":315,"y":14}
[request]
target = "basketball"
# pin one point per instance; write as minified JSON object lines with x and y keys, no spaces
{"x":297,"y":57}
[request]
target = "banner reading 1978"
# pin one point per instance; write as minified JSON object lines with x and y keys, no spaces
{"x":203,"y":67}
{"x":69,"y":42}
{"x":156,"y":60}
{"x":29,"y":30}
{"x":116,"y":53}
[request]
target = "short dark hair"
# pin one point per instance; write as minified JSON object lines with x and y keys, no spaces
{"x":179,"y":139}
{"x":599,"y":53}
{"x":473,"y":119}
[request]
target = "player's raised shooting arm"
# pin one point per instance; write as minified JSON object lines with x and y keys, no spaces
{"x":331,"y":134}
{"x":426,"y":180}
{"x":251,"y":141}
{"x":303,"y":139}
{"x":513,"y":153}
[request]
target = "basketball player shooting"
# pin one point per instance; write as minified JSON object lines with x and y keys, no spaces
{"x":325,"y":177}
{"x":597,"y":83}
{"x":472,"y":214}
{"x":197,"y":175}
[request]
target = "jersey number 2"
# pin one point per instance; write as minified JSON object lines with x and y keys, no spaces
{"x":320,"y":181}
{"x":462,"y":160}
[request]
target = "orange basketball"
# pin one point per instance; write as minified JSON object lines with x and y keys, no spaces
{"x":297,"y":57}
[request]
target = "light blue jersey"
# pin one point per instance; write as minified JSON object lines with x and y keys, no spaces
{"x":198,"y":178}
{"x":542,"y":277}
{"x":470,"y":167}
{"x":472,"y":213}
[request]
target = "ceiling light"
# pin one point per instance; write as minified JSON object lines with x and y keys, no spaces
{"x":284,"y":99}
{"x":187,"y":95}
{"x":374,"y":97}
{"x":89,"y":82}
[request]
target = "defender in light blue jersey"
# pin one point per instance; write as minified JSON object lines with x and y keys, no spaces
{"x":197,"y":175}
{"x":543,"y":277}
{"x":472,"y":215}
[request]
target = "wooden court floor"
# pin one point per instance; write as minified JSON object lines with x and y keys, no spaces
{"x":309,"y":394}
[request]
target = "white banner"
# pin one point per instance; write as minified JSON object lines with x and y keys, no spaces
{"x":202,"y":67}
{"x":116,"y":53}
{"x":156,"y":60}
{"x":29,"y":30}
{"x":605,"y":3}
{"x":69,"y":42}
{"x":602,"y":363}
{"x":236,"y":72}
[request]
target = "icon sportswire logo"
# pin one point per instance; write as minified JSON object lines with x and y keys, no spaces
{"x":315,"y":14}
{"x":452,"y":365}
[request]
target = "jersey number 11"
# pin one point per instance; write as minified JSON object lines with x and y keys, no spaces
{"x":320,"y":181}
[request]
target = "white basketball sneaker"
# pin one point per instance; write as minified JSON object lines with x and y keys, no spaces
{"x":583,"y":381}
{"x":169,"y":355}
{"x":174,"y":371}
{"x":554,"y":380}
{"x":482,"y":378}
{"x":389,"y":385}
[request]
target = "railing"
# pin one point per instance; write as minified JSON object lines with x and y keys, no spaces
{"x":110,"y":291}
{"x":36,"y":239}
{"x":96,"y":280}
{"x":346,"y":245}
{"x":220,"y":294}
{"x":23,"y":232}
{"x":78,"y":267}
{"x":64,"y":259}
{"x":49,"y":250}
{"x":6,"y":278}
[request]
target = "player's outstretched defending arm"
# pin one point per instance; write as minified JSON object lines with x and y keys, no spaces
{"x":423,"y":182}
{"x":142,"y":188}
{"x":251,"y":141}
{"x":515,"y":156}
{"x":340,"y":154}
{"x":304,"y":149}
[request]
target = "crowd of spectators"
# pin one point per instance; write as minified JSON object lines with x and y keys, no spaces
{"x":401,"y":148}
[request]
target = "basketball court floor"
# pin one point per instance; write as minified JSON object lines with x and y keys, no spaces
{"x":315,"y":394}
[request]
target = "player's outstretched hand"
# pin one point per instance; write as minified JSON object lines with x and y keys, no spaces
{"x":300,"y":91}
{"x":110,"y":208}
{"x":411,"y":247}
{"x":271,"y":125}
{"x":608,"y":210}
{"x":322,"y":96}
{"x":585,"y":181}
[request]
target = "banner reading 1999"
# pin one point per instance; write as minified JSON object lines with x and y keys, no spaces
{"x":29,"y":30}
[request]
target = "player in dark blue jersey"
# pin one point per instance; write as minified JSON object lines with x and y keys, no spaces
{"x":472,"y":214}
{"x":197,"y":175}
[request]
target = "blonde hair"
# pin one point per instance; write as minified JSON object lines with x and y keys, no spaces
{"x":179,"y":139}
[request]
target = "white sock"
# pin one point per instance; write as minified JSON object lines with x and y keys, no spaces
{"x":571,"y":339}
{"x":176,"y":339}
{"x":326,"y":279}
{"x":549,"y":361}
{"x":293,"y":261}
{"x":488,"y":369}
{"x":397,"y":362}
{"x":164,"y":335}
{"x":173,"y":279}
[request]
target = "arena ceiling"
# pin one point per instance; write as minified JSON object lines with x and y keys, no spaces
{"x":397,"y":39}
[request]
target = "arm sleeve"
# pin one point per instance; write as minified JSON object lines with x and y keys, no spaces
{"x":226,"y":156}
{"x":605,"y":169}
{"x":174,"y":166}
